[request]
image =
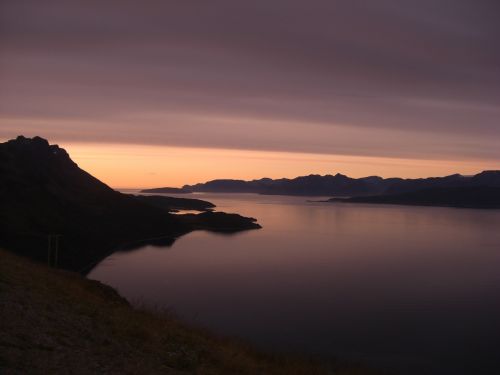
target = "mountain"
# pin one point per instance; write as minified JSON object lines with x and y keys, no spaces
{"x":43,"y":192}
{"x":464,"y":197}
{"x":304,"y":185}
{"x":341,"y":185}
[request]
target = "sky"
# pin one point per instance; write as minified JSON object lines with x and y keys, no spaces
{"x":163,"y":93}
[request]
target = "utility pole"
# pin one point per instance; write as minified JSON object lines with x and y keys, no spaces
{"x":57,"y":250}
{"x":53,"y":243}
{"x":49,"y":248}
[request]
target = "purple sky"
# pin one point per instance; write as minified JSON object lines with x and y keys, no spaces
{"x":400,"y":78}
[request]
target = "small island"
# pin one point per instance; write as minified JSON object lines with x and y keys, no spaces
{"x":166,"y":190}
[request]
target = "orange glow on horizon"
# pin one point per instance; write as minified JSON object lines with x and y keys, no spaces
{"x":136,"y":166}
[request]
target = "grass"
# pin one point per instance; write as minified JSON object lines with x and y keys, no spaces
{"x":57,"y":322}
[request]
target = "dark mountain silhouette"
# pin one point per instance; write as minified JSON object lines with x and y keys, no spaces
{"x":465,"y":197}
{"x":341,"y":185}
{"x":305,"y":185}
{"x":407,"y":185}
{"x":486,"y":178}
{"x":42,"y":192}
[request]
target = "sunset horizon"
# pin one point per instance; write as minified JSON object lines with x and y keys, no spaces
{"x":136,"y":166}
{"x":408,"y":90}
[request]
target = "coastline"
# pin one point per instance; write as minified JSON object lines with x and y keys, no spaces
{"x":58,"y":320}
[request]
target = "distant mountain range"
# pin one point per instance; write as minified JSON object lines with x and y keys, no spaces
{"x":343,"y":186}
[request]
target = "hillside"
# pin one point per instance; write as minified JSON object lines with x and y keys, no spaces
{"x":56,"y":322}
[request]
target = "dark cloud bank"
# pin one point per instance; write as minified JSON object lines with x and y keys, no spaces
{"x":385,"y":78}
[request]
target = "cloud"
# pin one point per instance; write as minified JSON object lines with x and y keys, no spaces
{"x":382,"y":78}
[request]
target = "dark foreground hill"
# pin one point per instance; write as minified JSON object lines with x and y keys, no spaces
{"x":464,"y":197}
{"x":341,"y":185}
{"x":56,"y":322}
{"x":43,"y":192}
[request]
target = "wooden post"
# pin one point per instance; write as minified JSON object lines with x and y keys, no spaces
{"x":53,"y":244}
{"x":57,"y":249}
{"x":49,"y":248}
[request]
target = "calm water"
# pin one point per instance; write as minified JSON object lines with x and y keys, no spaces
{"x":416,"y":289}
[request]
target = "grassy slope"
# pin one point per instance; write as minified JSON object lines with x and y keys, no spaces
{"x":56,"y":322}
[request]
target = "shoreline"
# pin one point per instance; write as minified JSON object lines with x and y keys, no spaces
{"x":56,"y":319}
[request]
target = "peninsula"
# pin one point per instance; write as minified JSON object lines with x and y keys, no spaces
{"x":51,"y":205}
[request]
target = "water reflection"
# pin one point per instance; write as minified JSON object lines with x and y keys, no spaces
{"x":414,"y":288}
